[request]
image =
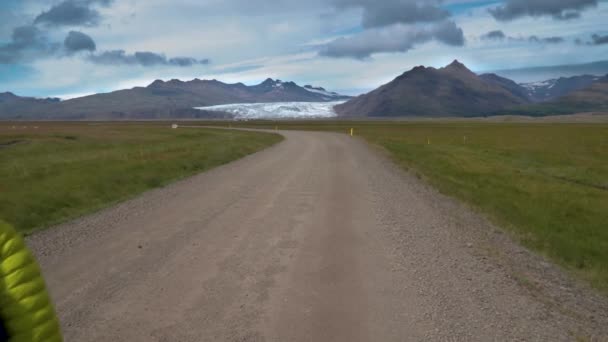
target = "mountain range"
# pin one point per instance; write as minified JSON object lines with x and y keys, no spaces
{"x":557,"y":87}
{"x":593,"y":98}
{"x":540,"y":73}
{"x":456,"y":91}
{"x":160,"y":99}
{"x":451,"y":91}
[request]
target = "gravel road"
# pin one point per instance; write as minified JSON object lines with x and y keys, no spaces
{"x":318,"y":238}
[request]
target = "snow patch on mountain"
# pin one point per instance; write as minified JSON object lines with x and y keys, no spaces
{"x":532,"y":86}
{"x":322,"y":91}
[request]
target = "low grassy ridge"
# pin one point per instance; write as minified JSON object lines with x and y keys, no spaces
{"x":51,"y":172}
{"x":547,"y":183}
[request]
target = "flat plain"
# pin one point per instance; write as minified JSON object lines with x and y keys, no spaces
{"x":53,"y":172}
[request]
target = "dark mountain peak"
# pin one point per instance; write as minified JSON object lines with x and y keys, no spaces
{"x":156,"y":83}
{"x":450,"y":91}
{"x":213,"y":81}
{"x":456,"y":66}
{"x":8,"y":96}
{"x":175,"y":81}
{"x":419,"y":68}
{"x":269,"y":85}
{"x":269,"y":81}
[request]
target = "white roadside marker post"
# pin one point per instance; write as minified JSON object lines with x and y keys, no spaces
{"x":174,"y":126}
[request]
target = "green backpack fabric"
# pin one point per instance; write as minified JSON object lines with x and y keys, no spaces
{"x":26,"y":311}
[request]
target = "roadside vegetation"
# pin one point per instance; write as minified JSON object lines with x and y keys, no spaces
{"x":52,"y":172}
{"x":546,"y":183}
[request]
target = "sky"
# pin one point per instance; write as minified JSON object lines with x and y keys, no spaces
{"x":70,"y":48}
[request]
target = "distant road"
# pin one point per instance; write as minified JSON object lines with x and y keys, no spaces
{"x":318,"y":238}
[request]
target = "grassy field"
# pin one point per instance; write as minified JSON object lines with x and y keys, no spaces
{"x":546,"y":183}
{"x":51,"y":172}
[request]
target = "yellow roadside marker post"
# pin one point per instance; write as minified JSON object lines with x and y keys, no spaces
{"x":352,"y":132}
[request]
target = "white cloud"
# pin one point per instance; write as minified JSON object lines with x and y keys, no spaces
{"x":248,"y":41}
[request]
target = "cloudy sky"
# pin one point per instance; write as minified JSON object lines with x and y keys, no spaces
{"x":68,"y":48}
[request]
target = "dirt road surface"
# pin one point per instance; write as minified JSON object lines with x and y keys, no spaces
{"x":318,"y":238}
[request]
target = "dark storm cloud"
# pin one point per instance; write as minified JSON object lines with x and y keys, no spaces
{"x":72,"y":13}
{"x":449,"y":34}
{"x":596,"y":39}
{"x":145,"y":58}
{"x":391,"y":39}
{"x":187,"y":61}
{"x":389,"y":12}
{"x":25,"y":36}
{"x":391,"y":26}
{"x":27,"y":42}
{"x":547,"y":40}
{"x":78,"y":41}
{"x":382,"y":15}
{"x":499,"y":35}
{"x":558,"y":9}
{"x":30,"y":42}
{"x":494,"y":35}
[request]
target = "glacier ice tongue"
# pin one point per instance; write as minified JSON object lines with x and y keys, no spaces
{"x":277,"y":110}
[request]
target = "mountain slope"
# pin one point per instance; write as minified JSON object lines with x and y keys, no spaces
{"x":591,"y":99}
{"x":171,"y":99}
{"x":515,"y":89}
{"x":450,"y":91}
{"x":557,"y":87}
{"x":11,"y":104}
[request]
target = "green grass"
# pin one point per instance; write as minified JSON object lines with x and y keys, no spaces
{"x":546,"y":183}
{"x":60,"y":171}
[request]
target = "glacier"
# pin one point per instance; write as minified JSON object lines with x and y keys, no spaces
{"x":277,"y":110}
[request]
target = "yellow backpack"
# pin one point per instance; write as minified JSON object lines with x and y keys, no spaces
{"x":26,"y":312}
